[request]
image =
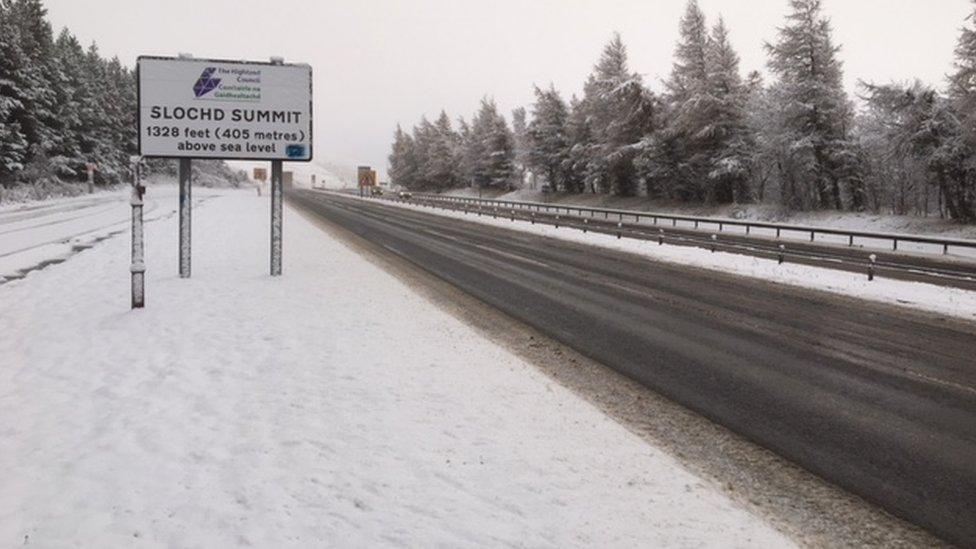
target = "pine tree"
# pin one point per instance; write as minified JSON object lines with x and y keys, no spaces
{"x":441,"y":169}
{"x":962,"y":94}
{"x":13,"y":143}
{"x":962,"y":83}
{"x":403,"y":162}
{"x":37,"y":78}
{"x":75,"y":98}
{"x":816,"y":114}
{"x":680,"y":158}
{"x":491,"y":148}
{"x":466,"y":151}
{"x":917,"y":122}
{"x":621,"y":113}
{"x":520,"y":142}
{"x":732,"y":144}
{"x":424,"y":135}
{"x":579,"y":147}
{"x":547,"y":138}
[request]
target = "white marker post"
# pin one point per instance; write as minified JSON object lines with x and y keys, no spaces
{"x":138,"y":267}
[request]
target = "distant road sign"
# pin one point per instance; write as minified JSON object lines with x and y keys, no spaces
{"x":260,"y":174}
{"x":200,"y":108}
{"x":366,"y":176}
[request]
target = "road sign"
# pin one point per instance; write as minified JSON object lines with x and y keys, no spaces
{"x":260,"y":174}
{"x":366,"y":176}
{"x":200,"y":108}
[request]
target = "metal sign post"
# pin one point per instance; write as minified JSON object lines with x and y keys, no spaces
{"x":138,"y":267}
{"x":186,"y":207}
{"x":276,"y":199}
{"x":276,"y":204}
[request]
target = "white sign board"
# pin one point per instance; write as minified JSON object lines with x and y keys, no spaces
{"x":198,"y":108}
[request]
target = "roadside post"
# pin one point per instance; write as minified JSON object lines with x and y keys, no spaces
{"x":186,"y":205}
{"x":138,"y":266}
{"x":90,"y":168}
{"x":192,"y":108}
{"x":276,"y":206}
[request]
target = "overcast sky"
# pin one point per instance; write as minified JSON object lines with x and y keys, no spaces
{"x":379,"y":62}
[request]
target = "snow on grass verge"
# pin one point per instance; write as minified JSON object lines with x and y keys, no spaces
{"x":928,"y":297}
{"x":47,"y":233}
{"x":331,"y":406}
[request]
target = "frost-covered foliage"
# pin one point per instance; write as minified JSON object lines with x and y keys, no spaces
{"x":814,"y":114}
{"x":436,"y":157}
{"x":713,"y":136}
{"x":922,"y":143}
{"x":548,"y":141}
{"x":704,"y":150}
{"x":619,"y":111}
{"x":204,"y":173}
{"x":62,"y":106}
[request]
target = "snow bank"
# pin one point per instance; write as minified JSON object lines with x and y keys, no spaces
{"x":331,"y":406}
{"x":927,"y":297}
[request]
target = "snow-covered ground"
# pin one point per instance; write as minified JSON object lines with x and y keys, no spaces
{"x":38,"y":234}
{"x":329,"y":407}
{"x":927,"y":297}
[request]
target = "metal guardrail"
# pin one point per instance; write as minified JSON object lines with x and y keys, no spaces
{"x":703,"y":222}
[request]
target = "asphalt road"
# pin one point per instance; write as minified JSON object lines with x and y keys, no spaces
{"x":878,"y":400}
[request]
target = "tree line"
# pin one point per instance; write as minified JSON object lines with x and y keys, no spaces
{"x":714,"y":136}
{"x":62,"y":106}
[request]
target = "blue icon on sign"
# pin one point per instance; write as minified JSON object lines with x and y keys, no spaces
{"x":295,"y":151}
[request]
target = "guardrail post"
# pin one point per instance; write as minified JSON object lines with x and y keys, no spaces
{"x":873,"y":259}
{"x":894,"y":245}
{"x":812,"y":234}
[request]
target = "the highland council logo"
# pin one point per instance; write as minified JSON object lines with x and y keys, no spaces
{"x":206,"y":83}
